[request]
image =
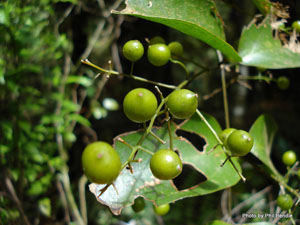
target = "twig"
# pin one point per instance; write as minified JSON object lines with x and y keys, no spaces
{"x":93,"y":40}
{"x":224,"y":88}
{"x":15,"y":198}
{"x":64,"y":201}
{"x":82,"y":200}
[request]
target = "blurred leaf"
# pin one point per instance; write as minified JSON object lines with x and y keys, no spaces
{"x":199,"y":19}
{"x":80,"y":119}
{"x":45,"y":206}
{"x":84,"y":81}
{"x":110,"y":104}
{"x":70,"y":106}
{"x":259,"y":48}
{"x":50,"y":119}
{"x":259,"y":223}
{"x":218,"y":222}
{"x":263,"y":6}
{"x":263,"y":132}
{"x":142,"y":182}
{"x":56,"y":162}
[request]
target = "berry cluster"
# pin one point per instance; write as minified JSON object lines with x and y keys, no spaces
{"x":158,"y":53}
{"x":100,"y":161}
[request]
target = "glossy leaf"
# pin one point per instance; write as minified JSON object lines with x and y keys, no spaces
{"x":199,"y":19}
{"x":142,"y":182}
{"x":259,"y":48}
{"x":263,"y":132}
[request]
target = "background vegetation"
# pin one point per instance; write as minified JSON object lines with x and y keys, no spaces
{"x":52,"y":106}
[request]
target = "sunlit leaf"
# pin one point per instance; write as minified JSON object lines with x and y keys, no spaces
{"x":259,"y":48}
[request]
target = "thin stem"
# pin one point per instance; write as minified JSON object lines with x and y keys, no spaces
{"x":145,"y":150}
{"x":239,"y":173}
{"x":112,"y":72}
{"x":182,"y":65}
{"x":131,"y":68}
{"x":82,"y":199}
{"x":157,"y":138}
{"x":209,"y":126}
{"x":220,"y":58}
{"x":258,"y":77}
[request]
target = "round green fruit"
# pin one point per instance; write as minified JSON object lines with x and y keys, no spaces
{"x":176,"y":48}
{"x":165,"y":164}
{"x":158,"y":54}
{"x":162,"y":209}
{"x":225,"y":134}
{"x":157,"y":40}
{"x":283,"y":83}
{"x":285,"y":201}
{"x":296,"y":25}
{"x":239,"y":143}
{"x":289,"y":158}
{"x":101,"y":163}
{"x":133,"y":50}
{"x":182,"y":103}
{"x":138,"y":205}
{"x":140,"y":105}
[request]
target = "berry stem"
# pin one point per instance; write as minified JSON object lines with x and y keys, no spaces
{"x":157,"y":138}
{"x":145,"y":150}
{"x":259,"y":77}
{"x":220,"y":58}
{"x":182,"y":65}
{"x":113,"y":72}
{"x":131,"y":68}
{"x":209,"y":126}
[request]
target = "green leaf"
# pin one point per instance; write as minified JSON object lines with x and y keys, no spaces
{"x":142,"y":182}
{"x":45,"y":206}
{"x":263,"y":6}
{"x":84,"y":81}
{"x":259,"y":48}
{"x":263,"y":132}
{"x":80,"y":119}
{"x":259,"y":223}
{"x":199,"y":19}
{"x":218,"y":222}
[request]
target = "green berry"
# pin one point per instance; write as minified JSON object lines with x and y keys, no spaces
{"x":298,"y":173}
{"x":133,"y":50}
{"x":283,"y":83}
{"x":176,"y":48}
{"x":162,"y":209}
{"x":140,"y":105}
{"x":139,"y":204}
{"x":296,"y":25}
{"x":165,"y":164}
{"x":182,"y":103}
{"x":158,"y":54}
{"x":289,"y":158}
{"x":101,"y":163}
{"x":225,"y":134}
{"x":157,"y":40}
{"x":239,"y":143}
{"x":285,"y":201}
